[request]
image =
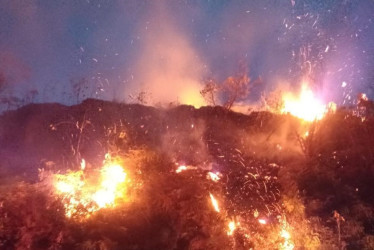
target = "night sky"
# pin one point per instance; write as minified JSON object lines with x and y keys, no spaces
{"x":169,"y":47}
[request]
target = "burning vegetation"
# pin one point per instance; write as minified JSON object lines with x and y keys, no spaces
{"x":135,"y":177}
{"x":83,"y":195}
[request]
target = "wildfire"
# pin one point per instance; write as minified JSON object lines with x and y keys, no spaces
{"x":305,"y":106}
{"x":82,"y":195}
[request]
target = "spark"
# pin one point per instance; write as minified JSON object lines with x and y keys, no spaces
{"x":214,"y":203}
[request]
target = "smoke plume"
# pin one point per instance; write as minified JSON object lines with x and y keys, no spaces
{"x":168,"y":68}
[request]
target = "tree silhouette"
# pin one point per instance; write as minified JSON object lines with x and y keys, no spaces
{"x":233,"y":89}
{"x":209,"y":92}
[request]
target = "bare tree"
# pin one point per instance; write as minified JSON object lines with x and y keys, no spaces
{"x":142,"y":98}
{"x":80,"y":88}
{"x":233,"y":89}
{"x":209,"y":92}
{"x":273,"y":101}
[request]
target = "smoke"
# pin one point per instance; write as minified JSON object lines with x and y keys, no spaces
{"x":184,"y":143}
{"x":168,"y":67}
{"x":166,"y":48}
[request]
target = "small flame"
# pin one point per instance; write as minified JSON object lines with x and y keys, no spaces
{"x":306,"y":106}
{"x":232,"y":228}
{"x":81,"y":195}
{"x":214,"y":203}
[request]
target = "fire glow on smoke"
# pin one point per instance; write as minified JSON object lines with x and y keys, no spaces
{"x":83,"y":194}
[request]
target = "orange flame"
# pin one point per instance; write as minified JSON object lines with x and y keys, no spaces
{"x":82,"y":195}
{"x":305,"y":106}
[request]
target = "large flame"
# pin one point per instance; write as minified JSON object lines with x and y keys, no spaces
{"x":305,"y":106}
{"x":82,"y":195}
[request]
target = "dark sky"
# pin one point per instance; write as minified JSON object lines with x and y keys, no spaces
{"x":169,"y":47}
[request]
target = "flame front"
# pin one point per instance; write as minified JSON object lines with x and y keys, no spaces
{"x":82,"y":195}
{"x":306,"y":106}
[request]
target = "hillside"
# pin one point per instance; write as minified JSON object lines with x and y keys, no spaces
{"x":273,"y":178}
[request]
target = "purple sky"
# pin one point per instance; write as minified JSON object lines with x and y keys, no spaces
{"x":122,"y":46}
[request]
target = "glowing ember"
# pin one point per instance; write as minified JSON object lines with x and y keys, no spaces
{"x":181,"y":168}
{"x":214,"y":203}
{"x":363,"y":96}
{"x":262,"y":221}
{"x":83,"y":195}
{"x":214,"y":176}
{"x":306,"y":134}
{"x":306,"y":106}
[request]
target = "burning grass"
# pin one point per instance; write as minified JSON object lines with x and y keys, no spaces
{"x":84,"y":194}
{"x":238,"y":190}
